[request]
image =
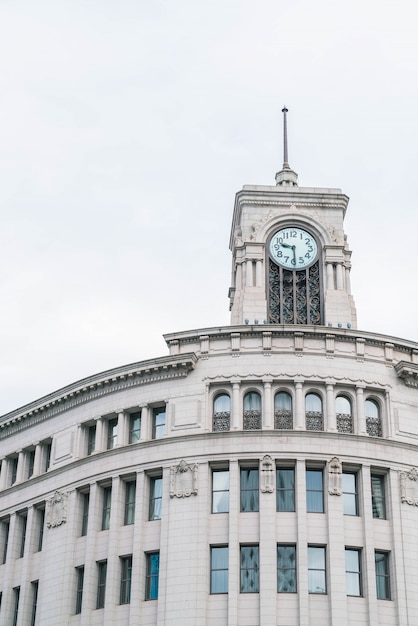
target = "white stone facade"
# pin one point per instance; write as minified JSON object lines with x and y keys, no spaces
{"x":261,"y":474}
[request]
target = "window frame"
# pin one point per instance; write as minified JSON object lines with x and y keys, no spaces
{"x":310,"y":491}
{"x":217,"y":573}
{"x":285,"y":490}
{"x":155,"y":501}
{"x":91,"y":439}
{"x":312,"y":569}
{"x":248,"y":491}
{"x":112,"y":433}
{"x":130,"y":503}
{"x":107,"y":506}
{"x":152,"y":575}
{"x":350,"y":498}
{"x":215,"y":492}
{"x":246,"y":571}
{"x":378,"y":498}
{"x":85,"y":496}
{"x":125,"y":579}
{"x":34,"y":589}
{"x":135,"y":431}
{"x":79,"y":589}
{"x":292,"y":546}
{"x":385,"y":576}
{"x":101,"y":584}
{"x":159,"y":429}
{"x":354,"y":574}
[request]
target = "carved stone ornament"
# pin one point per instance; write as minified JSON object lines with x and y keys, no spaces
{"x":57,"y":507}
{"x":183,"y":480}
{"x":335,"y":477}
{"x":267,"y":474}
{"x":409,"y":487}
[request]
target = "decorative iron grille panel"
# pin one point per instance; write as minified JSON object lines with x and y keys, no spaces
{"x":314,"y":420}
{"x":283,"y":419}
{"x":294,"y":295}
{"x":252,"y":420}
{"x":374,"y":426}
{"x":344,"y":423}
{"x":221,"y":421}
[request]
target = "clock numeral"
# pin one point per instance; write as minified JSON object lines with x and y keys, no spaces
{"x":293,"y":262}
{"x":280,"y":254}
{"x":307,"y":241}
{"x":310,"y":249}
{"x":301,"y":260}
{"x":286,"y":258}
{"x":293,"y":234}
{"x":307,"y":255}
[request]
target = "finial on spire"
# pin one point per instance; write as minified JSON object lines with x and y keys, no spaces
{"x":286,"y":177}
{"x":285,"y":156}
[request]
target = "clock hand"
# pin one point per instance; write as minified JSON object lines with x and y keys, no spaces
{"x":286,"y":245}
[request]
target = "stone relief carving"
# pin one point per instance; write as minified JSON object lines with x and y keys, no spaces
{"x":57,"y":508}
{"x":409,"y":487}
{"x":335,"y":477}
{"x":183,"y":480}
{"x":267,"y":474}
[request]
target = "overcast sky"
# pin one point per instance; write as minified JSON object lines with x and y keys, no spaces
{"x":127,"y":127}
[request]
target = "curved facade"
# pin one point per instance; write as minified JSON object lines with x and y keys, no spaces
{"x":260,"y":474}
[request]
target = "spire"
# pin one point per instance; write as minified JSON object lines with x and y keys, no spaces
{"x":285,"y":157}
{"x":286,"y":176}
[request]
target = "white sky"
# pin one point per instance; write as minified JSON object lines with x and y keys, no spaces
{"x":127,"y":127}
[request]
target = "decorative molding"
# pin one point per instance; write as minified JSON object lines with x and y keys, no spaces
{"x":408,"y":372}
{"x":409,"y":487}
{"x":88,"y":389}
{"x":57,"y":509}
{"x":335,"y":471}
{"x":267,"y":474}
{"x":183,"y":480}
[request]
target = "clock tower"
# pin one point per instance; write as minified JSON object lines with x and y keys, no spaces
{"x":291,"y":262}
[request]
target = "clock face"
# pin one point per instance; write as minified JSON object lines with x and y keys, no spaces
{"x":293,"y":248}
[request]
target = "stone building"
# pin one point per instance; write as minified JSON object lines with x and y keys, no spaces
{"x":261,"y":474}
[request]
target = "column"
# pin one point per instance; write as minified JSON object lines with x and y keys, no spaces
{"x":138,"y":570}
{"x":302,"y":543}
{"x":25,"y":602}
{"x":3,"y":473}
{"x":20,"y":466}
{"x":113,"y":570}
{"x":340,"y":279}
{"x":123,"y":429}
{"x":299,"y":406}
{"x":238,"y":278}
{"x":268,"y":558}
{"x":99,"y":447}
{"x":7,"y":604}
{"x":331,"y":416}
{"x":330,"y":276}
{"x":267,"y":405}
{"x":361,"y":419}
{"x":89,"y":562}
{"x":235,"y":413}
{"x":347,"y":280}
{"x":38,"y":459}
{"x":259,"y":273}
{"x":249,"y":275}
{"x":233,"y":543}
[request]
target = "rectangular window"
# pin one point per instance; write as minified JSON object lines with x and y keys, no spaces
{"x":30,"y":463}
{"x":16,"y":596}
{"x":285,"y":486}
{"x":135,"y":427}
{"x":85,"y":499}
{"x":125,"y":579}
{"x":250,"y":566}
{"x":107,"y":500}
{"x":382,"y":575}
{"x":47,"y":447}
{"x":353,"y":572}
{"x":220,"y":491}
{"x":4,"y":539}
{"x":378,"y":496}
{"x":155,"y":497}
{"x":40,"y":512}
{"x":130,"y":491}
{"x":249,"y":489}
{"x":91,"y":439}
{"x":13,"y":471}
{"x":314,"y":491}
{"x":350,"y":497}
{"x":153,"y":568}
{"x":112,"y":433}
{"x":101,"y":584}
{"x":158,"y":422}
{"x":79,"y":590}
{"x":286,"y":569}
{"x":219,"y":569}
{"x":316,"y":570}
{"x":22,"y":520}
{"x":34,"y":587}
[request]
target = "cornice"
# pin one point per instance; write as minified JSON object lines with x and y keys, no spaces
{"x":97,"y":386}
{"x":408,"y":372}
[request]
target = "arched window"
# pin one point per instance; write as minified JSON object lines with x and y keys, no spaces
{"x":313,"y":412}
{"x":283,"y":414}
{"x":221,"y":412}
{"x":344,"y":415}
{"x":252,"y":411}
{"x":373,"y":419}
